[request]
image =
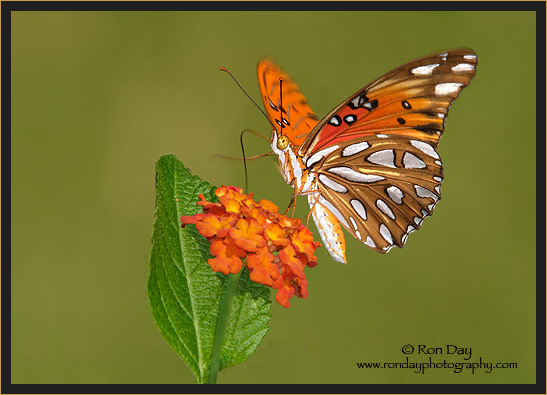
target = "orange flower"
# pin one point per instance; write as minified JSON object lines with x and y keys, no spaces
{"x":191,"y":219}
{"x":267,"y":205}
{"x":303,"y":240}
{"x":211,"y":225}
{"x":231,"y":205}
{"x":277,"y":248}
{"x":276,"y":234}
{"x":289,"y":259}
{"x":256,"y":213}
{"x":227,"y":256}
{"x":262,"y":269}
{"x":285,"y":288}
{"x":247,"y":234}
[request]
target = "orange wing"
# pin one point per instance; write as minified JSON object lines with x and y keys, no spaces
{"x":298,"y":117}
{"x":411,"y":100}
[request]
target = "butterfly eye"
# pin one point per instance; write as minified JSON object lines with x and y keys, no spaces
{"x":282,"y":142}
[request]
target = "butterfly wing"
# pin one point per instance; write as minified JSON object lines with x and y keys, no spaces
{"x":298,"y":117}
{"x":380,"y":189}
{"x":411,"y":100}
{"x":374,"y":155}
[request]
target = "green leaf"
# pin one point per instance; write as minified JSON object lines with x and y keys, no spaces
{"x":185,"y":295}
{"x":250,"y":311}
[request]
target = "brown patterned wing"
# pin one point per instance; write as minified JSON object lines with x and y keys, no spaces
{"x":411,"y":100}
{"x":381,"y":188}
{"x":298,"y":117}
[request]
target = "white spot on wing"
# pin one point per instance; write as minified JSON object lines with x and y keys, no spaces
{"x":333,"y":210}
{"x":447,"y":88}
{"x":395,"y":194}
{"x":385,"y":208}
{"x":424,"y":70}
{"x":384,"y":157}
{"x":319,"y":155}
{"x":359,"y":208}
{"x":411,"y":161}
{"x":352,"y":175}
{"x":463,"y":67}
{"x":472,"y":56}
{"x":353,"y":223}
{"x":356,"y":101}
{"x":382,"y":136}
{"x":358,"y":234}
{"x":370,"y":242}
{"x":425,"y":193}
{"x":331,"y":239}
{"x":355,"y":148}
{"x":425,"y":148}
{"x":438,"y":162}
{"x":332,"y":184}
{"x":439,"y":179}
{"x":388,"y":248}
{"x":349,"y":118}
{"x":438,"y":189}
{"x":386,"y":234}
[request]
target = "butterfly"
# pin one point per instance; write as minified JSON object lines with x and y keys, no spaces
{"x":369,"y":165}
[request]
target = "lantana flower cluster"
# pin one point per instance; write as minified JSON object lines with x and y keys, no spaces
{"x":275,"y":248}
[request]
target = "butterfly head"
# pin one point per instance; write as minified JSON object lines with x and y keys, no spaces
{"x":282,"y":142}
{"x":290,"y":165}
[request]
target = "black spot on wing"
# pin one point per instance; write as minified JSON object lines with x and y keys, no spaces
{"x":350,"y":118}
{"x":371,"y":105}
{"x":335,"y":121}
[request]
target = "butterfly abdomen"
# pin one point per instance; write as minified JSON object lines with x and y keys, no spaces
{"x":329,"y":229}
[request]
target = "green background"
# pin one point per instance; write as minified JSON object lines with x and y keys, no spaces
{"x":98,"y":96}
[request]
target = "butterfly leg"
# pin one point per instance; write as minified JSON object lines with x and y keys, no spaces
{"x":311,"y":209}
{"x":294,"y":205}
{"x":290,"y":204}
{"x":309,"y":213}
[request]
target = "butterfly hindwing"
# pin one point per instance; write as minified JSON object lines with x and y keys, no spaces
{"x":381,"y":188}
{"x":411,"y":100}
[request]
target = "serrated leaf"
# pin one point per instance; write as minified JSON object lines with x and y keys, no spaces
{"x":247,"y":323}
{"x":184,"y":293}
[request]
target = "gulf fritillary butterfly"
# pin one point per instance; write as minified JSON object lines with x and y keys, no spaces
{"x":370,"y":164}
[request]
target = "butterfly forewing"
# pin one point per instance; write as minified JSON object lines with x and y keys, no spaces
{"x":411,"y":100}
{"x":298,"y":117}
{"x":383,"y":187}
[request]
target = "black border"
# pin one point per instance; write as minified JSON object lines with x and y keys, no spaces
{"x":8,"y":6}
{"x":270,"y":6}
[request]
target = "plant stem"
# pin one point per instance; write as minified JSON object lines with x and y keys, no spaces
{"x":228,"y":292}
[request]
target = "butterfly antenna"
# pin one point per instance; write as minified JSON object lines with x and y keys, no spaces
{"x":270,"y":153}
{"x":281,"y":102}
{"x":250,"y":98}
